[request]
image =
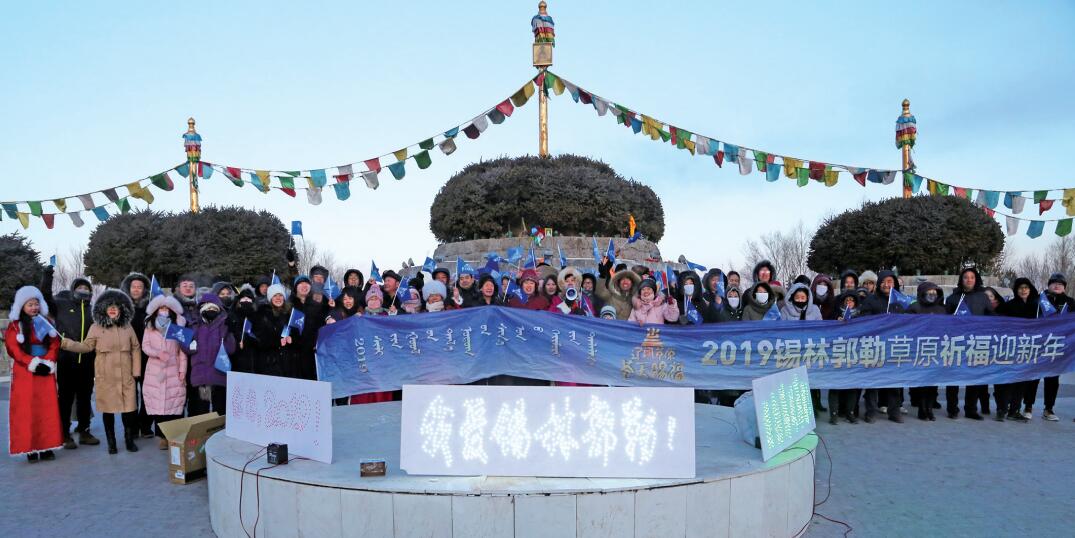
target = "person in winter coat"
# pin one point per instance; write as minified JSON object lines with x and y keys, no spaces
{"x":465,"y":292}
{"x":489,"y":294}
{"x":690,"y":289}
{"x":1011,"y":395}
{"x":971,"y":293}
{"x":868,"y":280}
{"x":844,"y":402}
{"x":759,"y":300}
{"x":714,"y":302}
{"x":589,"y":285}
{"x":764,"y":271}
{"x":435,"y":296}
{"x":931,"y":302}
{"x":849,"y":280}
{"x":136,"y":286}
{"x":186,"y":292}
{"x":349,"y":304}
{"x":877,"y":304}
{"x":1056,"y":293}
{"x":535,"y":300}
{"x":275,"y":354}
{"x":734,"y":281}
{"x":314,"y":312}
{"x":374,"y":307}
{"x":800,"y":305}
{"x":733,"y":306}
{"x":617,"y":290}
{"x":210,"y":334}
{"x":261,"y":287}
{"x":568,"y":282}
{"x":74,"y":371}
{"x":164,"y":389}
{"x":353,"y":278}
{"x":34,"y":426}
{"x":824,"y":296}
{"x":117,"y":363}
{"x":649,"y":306}
{"x":240,"y":323}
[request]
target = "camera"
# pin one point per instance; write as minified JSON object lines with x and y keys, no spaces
{"x":571,"y":294}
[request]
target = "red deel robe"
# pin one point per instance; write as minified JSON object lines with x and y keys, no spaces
{"x":34,"y":412}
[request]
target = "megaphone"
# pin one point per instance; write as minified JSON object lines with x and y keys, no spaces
{"x":571,"y":294}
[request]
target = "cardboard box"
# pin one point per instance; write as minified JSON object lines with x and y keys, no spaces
{"x":186,"y":445}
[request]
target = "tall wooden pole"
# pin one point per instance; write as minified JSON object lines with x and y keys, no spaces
{"x":542,"y":26}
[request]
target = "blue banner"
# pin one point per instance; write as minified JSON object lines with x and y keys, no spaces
{"x":376,"y":353}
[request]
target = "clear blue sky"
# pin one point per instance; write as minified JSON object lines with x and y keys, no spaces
{"x":98,"y":96}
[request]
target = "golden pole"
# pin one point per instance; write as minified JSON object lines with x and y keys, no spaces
{"x":192,"y":143}
{"x":906,"y":150}
{"x":543,"y":44}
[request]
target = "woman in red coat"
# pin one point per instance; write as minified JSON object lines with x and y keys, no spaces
{"x":34,"y":412}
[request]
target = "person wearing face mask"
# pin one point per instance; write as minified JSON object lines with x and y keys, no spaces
{"x":435,"y":295}
{"x":33,"y":413}
{"x":275,"y":355}
{"x":164,"y":388}
{"x":1011,"y":396}
{"x":650,"y":306}
{"x":690,"y":289}
{"x":931,"y":302}
{"x":136,"y":286}
{"x":801,"y":307}
{"x":117,"y":362}
{"x":733,"y":306}
{"x":759,"y":300}
{"x":878,"y":304}
{"x":74,"y":371}
{"x":844,"y":402}
{"x":824,"y":296}
{"x":242,"y":311}
{"x":209,"y":335}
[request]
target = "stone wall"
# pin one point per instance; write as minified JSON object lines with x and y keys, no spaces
{"x":578,"y":250}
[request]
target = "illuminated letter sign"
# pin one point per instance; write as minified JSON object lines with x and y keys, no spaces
{"x":784,"y":410}
{"x":631,"y":432}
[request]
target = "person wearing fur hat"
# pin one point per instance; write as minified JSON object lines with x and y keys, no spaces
{"x":74,"y":371}
{"x":617,"y":290}
{"x":970,"y":292}
{"x":764,"y":271}
{"x":569,"y":300}
{"x":136,"y":286}
{"x":164,"y":391}
{"x":759,"y":300}
{"x":868,"y":280}
{"x":1056,"y":293}
{"x":33,"y":344}
{"x":117,"y":363}
{"x":650,"y":306}
{"x":435,"y":296}
{"x":276,"y":355}
{"x":535,"y":299}
{"x":210,"y":334}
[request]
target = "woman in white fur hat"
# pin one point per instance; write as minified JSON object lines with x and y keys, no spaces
{"x":34,"y":427}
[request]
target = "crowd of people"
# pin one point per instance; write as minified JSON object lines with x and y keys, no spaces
{"x":70,"y":347}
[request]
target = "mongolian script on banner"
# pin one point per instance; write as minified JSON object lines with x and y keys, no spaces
{"x":375,"y":353}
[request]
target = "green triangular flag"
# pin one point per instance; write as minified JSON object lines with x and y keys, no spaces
{"x":804,"y":177}
{"x":942,"y":189}
{"x":665,"y":135}
{"x":123,"y":205}
{"x":426,"y":144}
{"x":1040,"y":195}
{"x":1063,"y":227}
{"x":287,"y":182}
{"x":35,"y":208}
{"x":423,"y":160}
{"x":162,"y":182}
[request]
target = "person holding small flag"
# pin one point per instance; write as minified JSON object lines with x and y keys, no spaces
{"x":968,"y":299}
{"x":314,"y":311}
{"x":529,"y":297}
{"x":34,"y":427}
{"x":589,"y":285}
{"x":691,"y":300}
{"x":347,"y":306}
{"x":1011,"y":396}
{"x":241,"y":324}
{"x":650,"y":306}
{"x":275,"y":355}
{"x":930,"y":302}
{"x":117,"y":362}
{"x":164,"y":387}
{"x":1056,"y":295}
{"x":886,"y":400}
{"x":465,"y":291}
{"x":759,"y":301}
{"x":210,"y":335}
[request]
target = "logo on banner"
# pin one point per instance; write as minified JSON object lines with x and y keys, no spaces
{"x":652,"y":359}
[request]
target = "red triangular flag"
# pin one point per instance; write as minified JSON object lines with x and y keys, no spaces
{"x":506,"y":108}
{"x":290,"y":192}
{"x":1044,"y":206}
{"x":374,"y":165}
{"x":584,"y":98}
{"x":49,"y":219}
{"x":719,"y":158}
{"x":860,"y":177}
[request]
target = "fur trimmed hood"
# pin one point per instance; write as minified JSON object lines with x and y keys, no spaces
{"x":108,"y":298}
{"x":614,"y":282}
{"x":570,"y":270}
{"x":166,"y":301}
{"x":125,"y":287}
{"x":24,"y":294}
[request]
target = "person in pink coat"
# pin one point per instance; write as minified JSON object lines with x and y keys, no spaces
{"x":164,"y":386}
{"x":650,"y":306}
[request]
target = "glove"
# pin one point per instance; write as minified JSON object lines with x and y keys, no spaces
{"x":49,"y":270}
{"x":42,"y":369}
{"x":290,"y":254}
{"x":194,"y":345}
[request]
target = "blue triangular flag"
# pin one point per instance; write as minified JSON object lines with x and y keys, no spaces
{"x":430,"y":265}
{"x":635,"y":237}
{"x":222,"y":362}
{"x":692,"y":312}
{"x":587,"y":305}
{"x":847,"y":313}
{"x":773,"y":314}
{"x":563,"y":260}
{"x":611,"y":252}
{"x":42,"y":327}
{"x":403,"y":292}
{"x":515,"y":254}
{"x":531,"y":260}
{"x":720,"y":284}
{"x":248,"y":330}
{"x":182,"y":335}
{"x":596,"y":251}
{"x":52,"y":261}
{"x":375,"y":273}
{"x":296,"y":227}
{"x":331,"y":288}
{"x":275,"y":279}
{"x":155,"y":288}
{"x":962,"y":309}
{"x":297,"y":320}
{"x":671,"y":275}
{"x":897,"y":297}
{"x":1045,"y":308}
{"x":694,"y":266}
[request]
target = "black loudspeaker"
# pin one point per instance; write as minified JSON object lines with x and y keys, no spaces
{"x":277,"y":454}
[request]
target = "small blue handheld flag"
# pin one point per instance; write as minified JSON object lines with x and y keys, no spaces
{"x":596,"y":251}
{"x":531,"y":260}
{"x":962,"y":309}
{"x":897,"y":297}
{"x":691,"y":265}
{"x":463,"y":268}
{"x":223,"y":361}
{"x":563,"y":260}
{"x":847,"y":313}
{"x":154,"y":287}
{"x":296,"y":227}
{"x":692,"y":312}
{"x":248,"y":329}
{"x":1045,"y":308}
{"x":515,"y":254}
{"x":773,"y":314}
{"x":297,"y":320}
{"x":430,"y":265}
{"x":331,"y":288}
{"x":275,"y":279}
{"x":720,"y":284}
{"x":375,"y":273}
{"x":52,"y":261}
{"x":42,"y":327}
{"x":671,"y":275}
{"x":611,"y":252}
{"x":182,"y":335}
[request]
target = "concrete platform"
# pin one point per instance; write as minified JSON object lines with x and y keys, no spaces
{"x":734,"y":494}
